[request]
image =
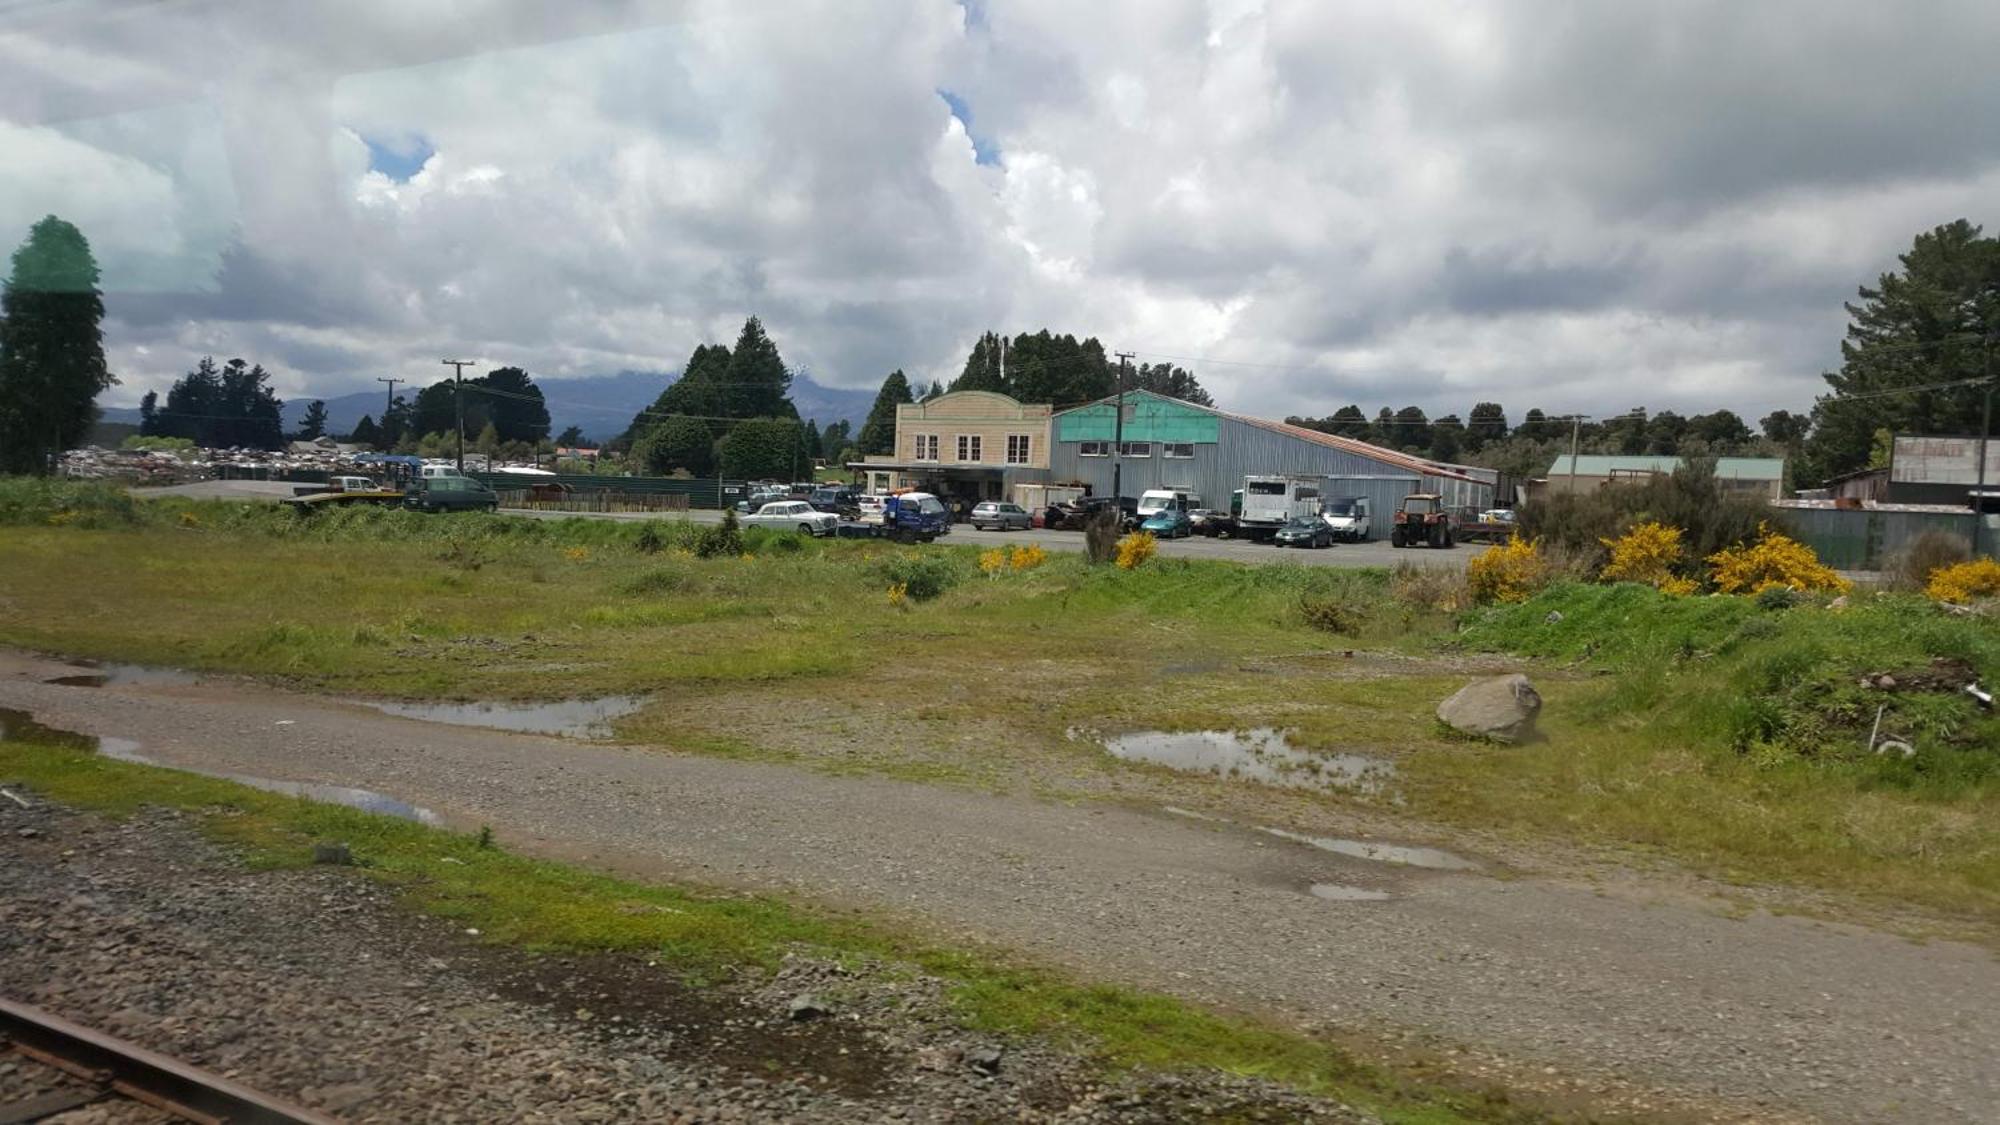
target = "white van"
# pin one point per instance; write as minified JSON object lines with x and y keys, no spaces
{"x":1154,"y":501}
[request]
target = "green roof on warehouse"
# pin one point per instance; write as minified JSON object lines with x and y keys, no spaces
{"x":1728,"y":468}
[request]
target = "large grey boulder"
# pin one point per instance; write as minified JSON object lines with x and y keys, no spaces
{"x":1501,"y":708}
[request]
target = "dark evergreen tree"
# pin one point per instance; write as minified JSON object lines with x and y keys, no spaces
{"x":1412,"y":430}
{"x":983,"y":367}
{"x":1486,"y":423}
{"x":396,"y":422}
{"x":814,"y":449}
{"x":1785,"y":428}
{"x":1447,"y":434}
{"x":253,"y":417}
{"x":878,"y":433}
{"x":313,"y":424}
{"x":149,"y":415}
{"x":761,"y":448}
{"x":367,"y":433}
{"x":698,"y":393}
{"x":512,"y":404}
{"x":1174,"y":382}
{"x":677,"y":442}
{"x":571,"y":438}
{"x":1535,"y":425}
{"x":1349,"y":421}
{"x":436,"y":411}
{"x":51,"y":347}
{"x":758,"y":386}
{"x":1383,"y":430}
{"x":1927,"y":324}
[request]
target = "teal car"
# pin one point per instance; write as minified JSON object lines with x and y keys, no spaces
{"x":450,"y":494}
{"x":1170,"y":523}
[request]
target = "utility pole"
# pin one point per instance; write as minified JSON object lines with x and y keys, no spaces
{"x":1118,"y":439}
{"x":1985,"y":439}
{"x":392,"y":395}
{"x":458,"y":367}
{"x":1575,"y":430}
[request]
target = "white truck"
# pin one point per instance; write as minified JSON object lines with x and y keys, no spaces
{"x":1270,"y":502}
{"x":1349,"y":518}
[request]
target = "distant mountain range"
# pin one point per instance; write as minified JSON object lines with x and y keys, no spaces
{"x":599,"y":405}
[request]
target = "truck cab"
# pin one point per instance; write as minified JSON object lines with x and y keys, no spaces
{"x":915,"y":516}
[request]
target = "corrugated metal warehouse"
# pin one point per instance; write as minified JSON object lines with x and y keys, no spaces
{"x":1198,"y":449}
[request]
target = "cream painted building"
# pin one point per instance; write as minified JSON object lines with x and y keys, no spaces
{"x":968,"y":445}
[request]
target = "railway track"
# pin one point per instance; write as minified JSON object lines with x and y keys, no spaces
{"x":100,"y":1067}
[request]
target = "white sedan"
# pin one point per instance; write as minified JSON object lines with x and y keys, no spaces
{"x":793,"y":515}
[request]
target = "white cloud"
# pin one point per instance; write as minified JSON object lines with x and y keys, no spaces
{"x":1432,"y":203}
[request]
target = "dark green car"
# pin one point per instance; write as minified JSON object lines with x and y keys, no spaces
{"x":450,"y":494}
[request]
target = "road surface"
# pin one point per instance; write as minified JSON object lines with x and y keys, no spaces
{"x":1647,"y":1000}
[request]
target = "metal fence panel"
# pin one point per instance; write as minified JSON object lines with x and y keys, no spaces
{"x":1870,"y":539}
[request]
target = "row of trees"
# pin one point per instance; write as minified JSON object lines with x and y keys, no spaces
{"x":731,"y":414}
{"x":505,"y":401}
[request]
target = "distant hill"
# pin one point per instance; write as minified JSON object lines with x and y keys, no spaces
{"x":600,"y":405}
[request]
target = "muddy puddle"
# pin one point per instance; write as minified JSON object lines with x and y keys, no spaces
{"x":1403,"y":854}
{"x":94,"y":673}
{"x":20,"y":726}
{"x":568,"y":718}
{"x":1340,"y":892}
{"x":1261,"y":754}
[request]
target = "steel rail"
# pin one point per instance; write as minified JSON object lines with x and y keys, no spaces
{"x":144,"y":1076}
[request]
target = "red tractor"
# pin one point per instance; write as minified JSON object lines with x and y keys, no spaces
{"x":1421,"y":520}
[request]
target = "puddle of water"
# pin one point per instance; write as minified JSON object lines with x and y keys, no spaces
{"x":103,"y":674}
{"x":571,"y":718}
{"x":21,"y":726}
{"x":1338,"y":892}
{"x":1260,"y":755}
{"x":1407,"y":855}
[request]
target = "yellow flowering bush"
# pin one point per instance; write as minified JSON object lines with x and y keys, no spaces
{"x":1963,"y":582}
{"x":1647,"y":554}
{"x":1511,"y":572}
{"x":1775,"y":559}
{"x":993,"y":562}
{"x":897,"y":593}
{"x":1027,"y":558}
{"x":576,"y":554}
{"x":1135,"y":549}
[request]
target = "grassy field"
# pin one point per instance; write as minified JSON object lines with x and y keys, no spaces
{"x":1726,"y":734}
{"x":715,"y":937}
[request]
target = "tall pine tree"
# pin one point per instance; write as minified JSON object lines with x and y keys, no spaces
{"x":878,"y":433}
{"x":758,"y":384}
{"x":984,"y":369}
{"x":51,"y":347}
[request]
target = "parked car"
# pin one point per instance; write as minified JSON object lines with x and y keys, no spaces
{"x":758,"y":498}
{"x":1304,"y":532}
{"x":999,"y":515}
{"x":1169,"y":523}
{"x":1079,"y":512}
{"x":840,"y":499}
{"x":793,"y":515}
{"x":1050,"y":516}
{"x":1156,"y":500}
{"x":450,"y":494}
{"x":351,"y":484}
{"x":868,"y":509}
{"x":1212,"y":522}
{"x":1349,"y":518}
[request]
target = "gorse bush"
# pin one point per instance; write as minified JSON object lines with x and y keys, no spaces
{"x":921,"y":575}
{"x":1775,"y":559}
{"x":1511,"y":572}
{"x":1965,"y":582}
{"x":1648,"y":553}
{"x":1135,"y":549}
{"x":1027,"y":558}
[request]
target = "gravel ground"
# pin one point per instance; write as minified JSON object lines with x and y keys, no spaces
{"x":1620,"y":996}
{"x":312,"y":985}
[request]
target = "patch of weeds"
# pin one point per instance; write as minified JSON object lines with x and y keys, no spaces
{"x":922,"y":575}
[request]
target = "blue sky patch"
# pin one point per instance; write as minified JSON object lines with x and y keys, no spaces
{"x":984,"y":151}
{"x":399,"y":159}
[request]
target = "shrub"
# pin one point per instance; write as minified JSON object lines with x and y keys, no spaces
{"x":1648,"y":553}
{"x":1511,"y":572}
{"x":1331,"y":614}
{"x":721,"y":541}
{"x":1710,"y":516}
{"x":993,"y":562}
{"x":921,"y":576}
{"x":1100,"y":537}
{"x":650,"y":541}
{"x":1422,"y":587}
{"x":1778,"y":597}
{"x":1135,"y":549}
{"x":1027,"y":558}
{"x":1963,"y":582}
{"x":1926,"y":555}
{"x":1775,"y":559}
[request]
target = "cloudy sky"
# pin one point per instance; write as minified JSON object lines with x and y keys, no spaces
{"x":1575,"y":206}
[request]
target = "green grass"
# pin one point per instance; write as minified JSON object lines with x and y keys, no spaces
{"x":709,"y":937}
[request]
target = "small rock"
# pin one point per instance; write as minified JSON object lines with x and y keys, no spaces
{"x":1553,"y":617}
{"x":1502,"y":708}
{"x":1886,"y":682}
{"x":985,"y":1060}
{"x":28,"y":833}
{"x":1838,"y":603}
{"x":332,"y":853}
{"x":807,"y":1007}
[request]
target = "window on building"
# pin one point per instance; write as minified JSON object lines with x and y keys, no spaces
{"x":1017,"y":449}
{"x":1136,"y":449}
{"x":927,"y":448}
{"x":1093,"y":449}
{"x":1182,"y":450}
{"x":968,"y":448}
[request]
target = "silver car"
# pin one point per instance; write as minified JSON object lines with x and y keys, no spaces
{"x":793,"y":515}
{"x":989,"y":515}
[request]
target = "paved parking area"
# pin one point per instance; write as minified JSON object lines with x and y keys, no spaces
{"x":1374,"y":553}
